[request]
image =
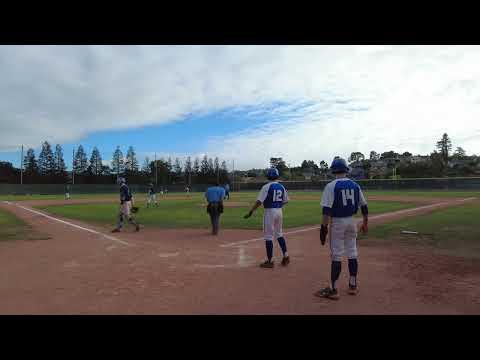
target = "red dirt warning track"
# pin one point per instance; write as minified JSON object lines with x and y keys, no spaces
{"x":188,"y":271}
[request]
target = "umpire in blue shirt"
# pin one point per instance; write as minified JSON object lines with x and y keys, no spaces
{"x":215,"y":195}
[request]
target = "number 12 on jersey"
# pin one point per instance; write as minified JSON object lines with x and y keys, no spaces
{"x":277,"y":195}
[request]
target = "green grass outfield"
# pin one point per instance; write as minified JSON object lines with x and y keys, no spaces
{"x":251,"y":194}
{"x":454,"y":231}
{"x":191,"y":213}
{"x":12,"y":228}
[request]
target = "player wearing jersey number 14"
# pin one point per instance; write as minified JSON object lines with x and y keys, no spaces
{"x":341,"y":199}
{"x":273,"y":196}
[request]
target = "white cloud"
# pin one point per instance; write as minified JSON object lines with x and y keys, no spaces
{"x":409,"y":95}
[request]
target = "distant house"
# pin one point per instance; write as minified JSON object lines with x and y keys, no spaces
{"x":357,"y":170}
{"x":308,"y":174}
{"x":378,"y":168}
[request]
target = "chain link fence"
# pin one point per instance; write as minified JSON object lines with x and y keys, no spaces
{"x":403,"y":184}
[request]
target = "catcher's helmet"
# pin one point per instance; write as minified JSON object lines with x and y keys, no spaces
{"x":339,"y":165}
{"x":121,"y":180}
{"x":272,"y":174}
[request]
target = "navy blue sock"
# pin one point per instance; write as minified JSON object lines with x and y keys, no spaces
{"x":283,"y":245}
{"x":336,"y":269}
{"x":353,"y":269}
{"x":269,"y":246}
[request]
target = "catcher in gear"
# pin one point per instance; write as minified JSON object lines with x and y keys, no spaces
{"x":341,"y":199}
{"x":126,"y":206}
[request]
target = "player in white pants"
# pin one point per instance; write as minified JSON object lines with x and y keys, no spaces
{"x":151,"y":196}
{"x":341,"y":199}
{"x":273,"y":196}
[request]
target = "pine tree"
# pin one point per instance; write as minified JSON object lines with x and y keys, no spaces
{"x":131,"y":163}
{"x":96,"y":166}
{"x":196,"y":167}
{"x":146,"y":166}
{"x":80,"y":162}
{"x":444,"y":147}
{"x":169,"y":169}
{"x":46,"y":164}
{"x":60,"y":167}
{"x":177,"y":168}
{"x":118,"y":166}
{"x":204,"y":168}
{"x":216,"y":168}
{"x":30,"y":163}
{"x":188,"y":170}
{"x":223,"y":173}
{"x":211,"y":170}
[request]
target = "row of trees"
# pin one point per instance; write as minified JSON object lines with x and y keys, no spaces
{"x":50,"y":168}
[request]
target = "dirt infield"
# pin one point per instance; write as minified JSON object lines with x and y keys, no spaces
{"x":188,"y":271}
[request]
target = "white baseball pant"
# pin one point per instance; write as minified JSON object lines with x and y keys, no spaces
{"x":272,"y":223}
{"x":152,"y":198}
{"x":343,"y":238}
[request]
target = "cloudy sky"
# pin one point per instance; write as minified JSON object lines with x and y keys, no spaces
{"x":242,"y":103}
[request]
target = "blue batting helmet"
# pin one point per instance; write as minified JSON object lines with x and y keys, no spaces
{"x":121,"y":180}
{"x":272,"y":174}
{"x":339,"y":165}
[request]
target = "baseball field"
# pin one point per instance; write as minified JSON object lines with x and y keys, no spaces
{"x":421,"y":256}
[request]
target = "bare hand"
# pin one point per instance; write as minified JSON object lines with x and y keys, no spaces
{"x":364,"y":228}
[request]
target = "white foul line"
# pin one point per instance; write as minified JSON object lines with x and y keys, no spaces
{"x":374,"y":217}
{"x":70,"y":224}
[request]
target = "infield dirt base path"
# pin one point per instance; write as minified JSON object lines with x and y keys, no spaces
{"x":188,"y":271}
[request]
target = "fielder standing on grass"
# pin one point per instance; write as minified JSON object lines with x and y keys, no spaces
{"x":341,"y":199}
{"x":151,"y":196}
{"x":215,"y":195}
{"x":126,"y":206}
{"x":273,"y":196}
{"x":227,"y":191}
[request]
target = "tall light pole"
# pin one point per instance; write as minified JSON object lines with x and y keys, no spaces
{"x":21,"y":168}
{"x":156,"y":172}
{"x":73,"y":166}
{"x":233,"y":175}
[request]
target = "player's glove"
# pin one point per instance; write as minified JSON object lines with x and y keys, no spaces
{"x":248,"y":215}
{"x":323,"y":233}
{"x":135,"y":209}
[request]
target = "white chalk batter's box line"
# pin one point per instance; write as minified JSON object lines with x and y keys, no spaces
{"x":374,"y":217}
{"x":70,"y":224}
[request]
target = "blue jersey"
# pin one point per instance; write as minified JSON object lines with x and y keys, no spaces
{"x":273,"y":195}
{"x":125,"y":194}
{"x":342,"y":198}
{"x":215,"y":194}
{"x":151,"y":190}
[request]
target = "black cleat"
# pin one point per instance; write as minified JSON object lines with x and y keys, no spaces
{"x":267,"y":264}
{"x":286,"y":260}
{"x":328,"y":293}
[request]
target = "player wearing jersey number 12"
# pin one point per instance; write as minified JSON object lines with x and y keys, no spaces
{"x":273,"y":196}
